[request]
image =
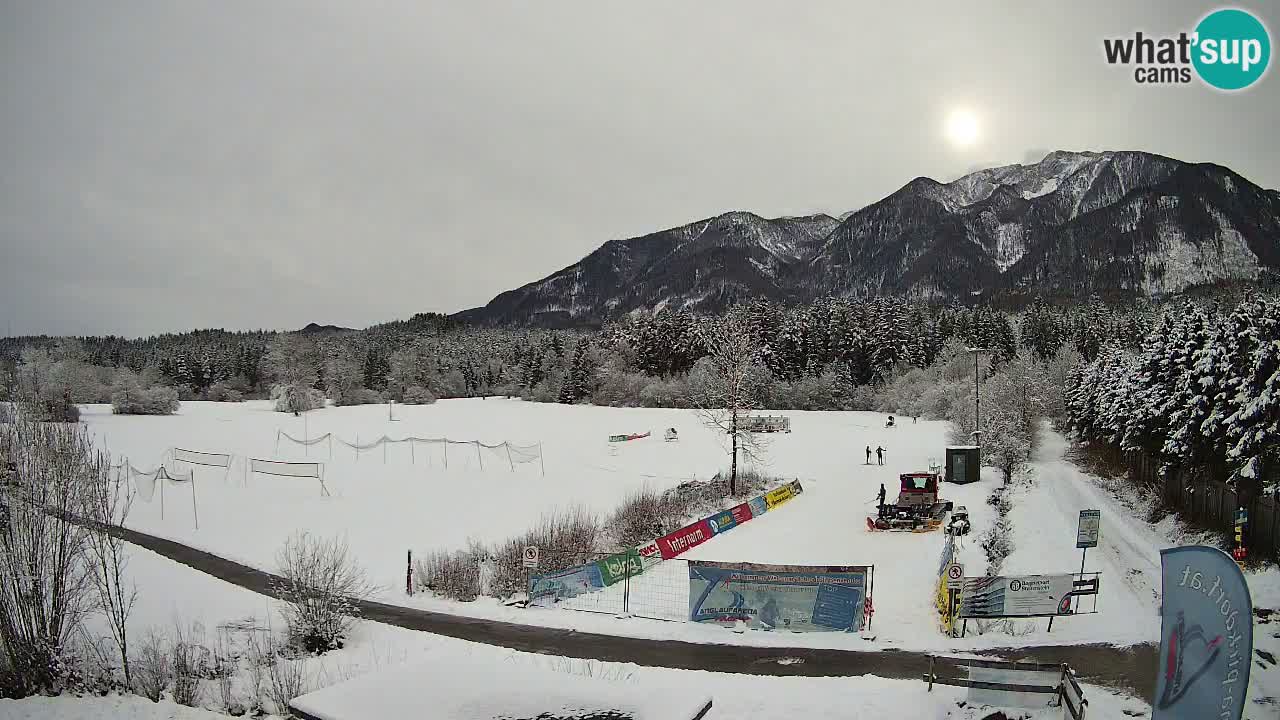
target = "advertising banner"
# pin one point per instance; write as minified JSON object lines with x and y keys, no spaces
{"x":649,"y":553}
{"x":1024,"y":596}
{"x":1206,"y":636}
{"x":614,"y":568}
{"x":684,"y":538}
{"x":799,"y":598}
{"x":777,"y":496}
{"x":553,"y":587}
{"x":758,"y":506}
{"x":729,"y":519}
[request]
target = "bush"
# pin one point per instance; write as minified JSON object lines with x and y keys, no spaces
{"x":151,"y":668}
{"x":296,"y":398}
{"x":646,"y":514}
{"x":190,"y":663}
{"x":221,"y":392}
{"x":418,"y":395}
{"x":133,"y":399}
{"x":565,"y":539}
{"x":359,"y":396}
{"x":321,"y":588}
{"x":665,"y":393}
{"x":452,"y":575}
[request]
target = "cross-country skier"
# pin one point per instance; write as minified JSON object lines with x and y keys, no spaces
{"x":880,"y":454}
{"x":868,"y":454}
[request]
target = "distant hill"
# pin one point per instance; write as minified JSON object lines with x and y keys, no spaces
{"x":315,"y":329}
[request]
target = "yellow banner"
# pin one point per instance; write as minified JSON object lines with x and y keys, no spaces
{"x":774,"y":498}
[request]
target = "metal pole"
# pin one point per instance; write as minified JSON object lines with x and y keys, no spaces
{"x":478,"y":455}
{"x":542,"y":462}
{"x":306,"y":436}
{"x":1083,"y":552}
{"x":408,"y":575}
{"x":194,"y":514}
{"x":509,"y":461}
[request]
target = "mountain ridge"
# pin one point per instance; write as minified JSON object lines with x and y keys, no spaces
{"x":1075,"y":223}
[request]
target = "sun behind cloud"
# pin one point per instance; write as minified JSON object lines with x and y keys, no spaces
{"x":961,"y":128}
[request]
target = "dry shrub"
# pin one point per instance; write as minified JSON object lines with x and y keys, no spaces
{"x":646,"y":514}
{"x":564,"y":538}
{"x":322,"y":587}
{"x":453,"y":575}
{"x":190,"y":663}
{"x":151,"y":668}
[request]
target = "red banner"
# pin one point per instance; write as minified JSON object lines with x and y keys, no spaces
{"x":684,"y":538}
{"x":741,"y":513}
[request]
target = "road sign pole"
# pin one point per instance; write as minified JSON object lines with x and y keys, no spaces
{"x":1083,"y":551}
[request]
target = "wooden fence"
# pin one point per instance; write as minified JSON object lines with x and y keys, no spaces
{"x":1209,"y":502}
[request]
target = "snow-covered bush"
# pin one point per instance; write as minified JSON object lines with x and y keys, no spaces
{"x":131,"y":398}
{"x":321,"y":588}
{"x":418,"y":395}
{"x":296,"y":398}
{"x":223,"y":392}
{"x":619,"y":388}
{"x":671,"y":393}
{"x":359,"y":396}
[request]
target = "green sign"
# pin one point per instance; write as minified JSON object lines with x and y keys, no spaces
{"x":614,"y":568}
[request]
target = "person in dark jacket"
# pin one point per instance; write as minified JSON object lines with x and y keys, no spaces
{"x":880,"y":454}
{"x":868,"y":454}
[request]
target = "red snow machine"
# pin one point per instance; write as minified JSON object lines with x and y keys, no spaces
{"x":918,"y":508}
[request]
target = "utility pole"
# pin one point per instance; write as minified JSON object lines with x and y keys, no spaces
{"x":977,"y":417}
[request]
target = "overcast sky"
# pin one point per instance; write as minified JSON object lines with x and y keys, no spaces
{"x":169,"y":165}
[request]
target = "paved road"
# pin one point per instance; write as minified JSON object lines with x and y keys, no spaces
{"x":1130,"y":668}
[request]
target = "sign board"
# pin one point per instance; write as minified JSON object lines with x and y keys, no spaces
{"x":1023,"y":596}
{"x":553,"y":587}
{"x":530,"y":557}
{"x":1088,"y":530}
{"x":955,"y":576}
{"x":799,"y":598}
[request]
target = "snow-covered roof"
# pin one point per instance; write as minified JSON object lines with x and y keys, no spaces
{"x":456,"y":689}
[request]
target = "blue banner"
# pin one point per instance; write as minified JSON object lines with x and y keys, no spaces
{"x":1206,"y":637}
{"x":554,"y":587}
{"x":782,"y":597}
{"x":758,"y":506}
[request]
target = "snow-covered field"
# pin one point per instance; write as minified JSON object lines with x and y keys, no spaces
{"x":387,"y":506}
{"x":388,"y":503}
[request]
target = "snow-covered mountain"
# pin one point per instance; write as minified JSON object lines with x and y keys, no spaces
{"x":1073,"y":224}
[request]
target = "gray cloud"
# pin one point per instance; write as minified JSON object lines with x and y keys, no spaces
{"x":169,"y":165}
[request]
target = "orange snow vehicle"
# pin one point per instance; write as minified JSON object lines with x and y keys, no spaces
{"x":918,"y":508}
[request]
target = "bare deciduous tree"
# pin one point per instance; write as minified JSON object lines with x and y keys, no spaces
{"x":108,"y":501}
{"x":725,"y":386}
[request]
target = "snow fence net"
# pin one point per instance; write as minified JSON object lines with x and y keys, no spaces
{"x":439,"y":452}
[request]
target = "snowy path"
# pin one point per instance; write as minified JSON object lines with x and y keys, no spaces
{"x":1045,"y":518}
